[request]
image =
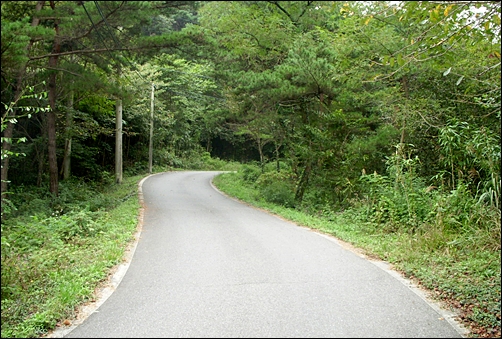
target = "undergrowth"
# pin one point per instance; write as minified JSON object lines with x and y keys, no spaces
{"x":55,"y":252}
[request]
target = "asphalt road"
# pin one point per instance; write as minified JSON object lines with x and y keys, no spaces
{"x":206,"y":265}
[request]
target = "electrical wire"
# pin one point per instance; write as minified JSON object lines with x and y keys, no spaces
{"x":195,"y":94}
{"x":193,"y":74}
{"x":117,"y":43}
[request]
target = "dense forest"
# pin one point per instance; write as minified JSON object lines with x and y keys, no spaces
{"x":388,"y":108}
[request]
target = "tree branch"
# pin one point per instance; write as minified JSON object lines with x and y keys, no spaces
{"x":276,"y":3}
{"x":258,"y":42}
{"x":61,"y":69}
{"x":100,"y":22}
{"x":304,"y":9}
{"x":98,"y":50}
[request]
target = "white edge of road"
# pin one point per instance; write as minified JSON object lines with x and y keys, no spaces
{"x":116,"y":274}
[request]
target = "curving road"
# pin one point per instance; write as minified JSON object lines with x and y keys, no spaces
{"x":209,"y":266}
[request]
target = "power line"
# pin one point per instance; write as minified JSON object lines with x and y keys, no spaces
{"x":108,"y":50}
{"x":117,"y":44}
{"x":193,"y":74}
{"x":94,"y":26}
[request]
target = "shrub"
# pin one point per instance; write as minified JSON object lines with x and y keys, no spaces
{"x":400,"y":200}
{"x":250,"y":173}
{"x":277,"y":188}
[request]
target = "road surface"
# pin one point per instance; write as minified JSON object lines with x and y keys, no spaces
{"x":207,"y":265}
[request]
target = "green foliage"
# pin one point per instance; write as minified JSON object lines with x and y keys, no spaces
{"x":234,"y":185}
{"x":18,"y":109}
{"x":472,"y":156}
{"x":52,"y":263}
{"x":251,"y":173}
{"x":209,"y":163}
{"x":368,"y":151}
{"x":401,"y":200}
{"x":277,"y":187}
{"x":204,"y":161}
{"x":98,"y":106}
{"x":16,"y":34}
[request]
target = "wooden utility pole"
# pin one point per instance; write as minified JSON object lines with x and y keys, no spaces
{"x":67,"y":144}
{"x":118,"y":142}
{"x":150,"y":148}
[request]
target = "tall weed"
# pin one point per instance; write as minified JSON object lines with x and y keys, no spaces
{"x":400,"y":200}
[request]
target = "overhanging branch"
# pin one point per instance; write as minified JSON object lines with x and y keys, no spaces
{"x":98,"y":50}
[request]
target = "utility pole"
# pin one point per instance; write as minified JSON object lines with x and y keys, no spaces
{"x":68,"y":137}
{"x":118,"y":141}
{"x":150,"y":148}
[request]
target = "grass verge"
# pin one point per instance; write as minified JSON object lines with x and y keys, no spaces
{"x":53,"y":262}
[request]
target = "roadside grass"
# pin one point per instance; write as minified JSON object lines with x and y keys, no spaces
{"x":56,"y":256}
{"x":461,"y":269}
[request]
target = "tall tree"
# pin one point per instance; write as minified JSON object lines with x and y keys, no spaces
{"x":14,"y":35}
{"x":101,"y":33}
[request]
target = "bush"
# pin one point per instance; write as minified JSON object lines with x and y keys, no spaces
{"x":400,"y":200}
{"x":250,"y":173}
{"x":277,"y":188}
{"x":52,"y":260}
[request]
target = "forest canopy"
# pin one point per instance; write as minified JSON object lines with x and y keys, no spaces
{"x":387,"y":112}
{"x":329,"y":88}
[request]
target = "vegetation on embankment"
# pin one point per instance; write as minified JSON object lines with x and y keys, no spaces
{"x":454,"y":252}
{"x":55,"y":252}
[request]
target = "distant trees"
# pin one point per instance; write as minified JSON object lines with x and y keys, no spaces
{"x":325,"y":90}
{"x":79,"y":49}
{"x":343,"y":86}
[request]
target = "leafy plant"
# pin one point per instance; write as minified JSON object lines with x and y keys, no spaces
{"x":277,"y":187}
{"x":251,"y":172}
{"x":51,"y":262}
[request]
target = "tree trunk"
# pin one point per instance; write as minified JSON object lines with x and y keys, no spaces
{"x":277,"y":157}
{"x":262,"y":158}
{"x":6,"y":145}
{"x":8,"y":132}
{"x":51,"y":115}
{"x":41,"y":161}
{"x":208,"y":145}
{"x":41,"y":151}
{"x":302,"y":185}
{"x":150,"y":143}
